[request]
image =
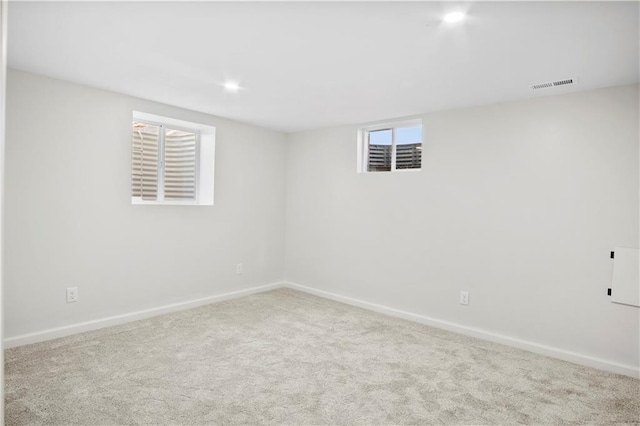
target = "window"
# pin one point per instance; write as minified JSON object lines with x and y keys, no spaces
{"x":391,"y":147}
{"x":164,"y":163}
{"x":167,"y":161}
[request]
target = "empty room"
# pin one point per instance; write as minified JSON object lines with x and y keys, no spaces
{"x":320,"y":213}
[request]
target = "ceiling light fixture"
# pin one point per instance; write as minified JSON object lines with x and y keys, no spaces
{"x":231,"y":86}
{"x":453,"y":17}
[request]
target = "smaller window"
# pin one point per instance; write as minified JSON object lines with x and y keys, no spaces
{"x":390,"y":147}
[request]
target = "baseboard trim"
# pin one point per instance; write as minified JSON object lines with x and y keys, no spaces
{"x":576,"y":358}
{"x":54,"y":333}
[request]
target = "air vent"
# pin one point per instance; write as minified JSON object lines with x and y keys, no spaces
{"x":554,"y":84}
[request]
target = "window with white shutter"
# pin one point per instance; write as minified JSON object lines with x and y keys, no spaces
{"x":166,"y":163}
{"x":390,"y":147}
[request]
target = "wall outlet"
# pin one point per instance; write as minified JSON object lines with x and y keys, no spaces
{"x":464,"y":297}
{"x":72,"y":294}
{"x":239,"y":269}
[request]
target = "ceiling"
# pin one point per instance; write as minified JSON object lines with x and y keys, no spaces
{"x":309,"y":65}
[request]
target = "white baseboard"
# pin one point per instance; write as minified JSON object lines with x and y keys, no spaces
{"x":601,"y":364}
{"x":54,"y":333}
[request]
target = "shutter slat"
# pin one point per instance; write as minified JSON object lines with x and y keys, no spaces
{"x":408,"y":156}
{"x":379,"y":158}
{"x":180,"y":166}
{"x":144,"y":167}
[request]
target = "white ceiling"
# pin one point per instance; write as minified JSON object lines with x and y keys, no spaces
{"x":310,"y":65}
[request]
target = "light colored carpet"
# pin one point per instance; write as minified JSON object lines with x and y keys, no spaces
{"x":285,"y":357}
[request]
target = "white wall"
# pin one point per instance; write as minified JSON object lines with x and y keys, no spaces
{"x":70,"y":222}
{"x":518,"y":203}
{"x":4,"y":6}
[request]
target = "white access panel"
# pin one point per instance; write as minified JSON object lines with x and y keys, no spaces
{"x":625,"y":287}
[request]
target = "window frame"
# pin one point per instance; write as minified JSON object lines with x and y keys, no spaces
{"x":161,"y":163}
{"x":363,"y":144}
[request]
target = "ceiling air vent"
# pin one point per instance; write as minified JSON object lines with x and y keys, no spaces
{"x":554,"y":84}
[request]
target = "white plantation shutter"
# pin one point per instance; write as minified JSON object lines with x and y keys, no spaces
{"x":180,"y":165}
{"x":144,"y":167}
{"x":164,"y":163}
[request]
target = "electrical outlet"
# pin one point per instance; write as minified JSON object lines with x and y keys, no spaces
{"x":464,"y":297}
{"x":72,"y":294}
{"x":239,"y":269}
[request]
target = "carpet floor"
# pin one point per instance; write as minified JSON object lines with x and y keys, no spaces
{"x":286,"y":357}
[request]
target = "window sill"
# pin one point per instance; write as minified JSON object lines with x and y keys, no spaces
{"x":138,"y":201}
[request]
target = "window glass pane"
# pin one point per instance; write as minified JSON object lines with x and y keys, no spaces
{"x":381,"y":137}
{"x":408,"y":135}
{"x":408,"y":147}
{"x":379,"y":153}
{"x":144,"y":161}
{"x":180,"y":165}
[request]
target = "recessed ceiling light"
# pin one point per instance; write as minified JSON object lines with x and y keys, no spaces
{"x":231,"y":86}
{"x":453,"y":17}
